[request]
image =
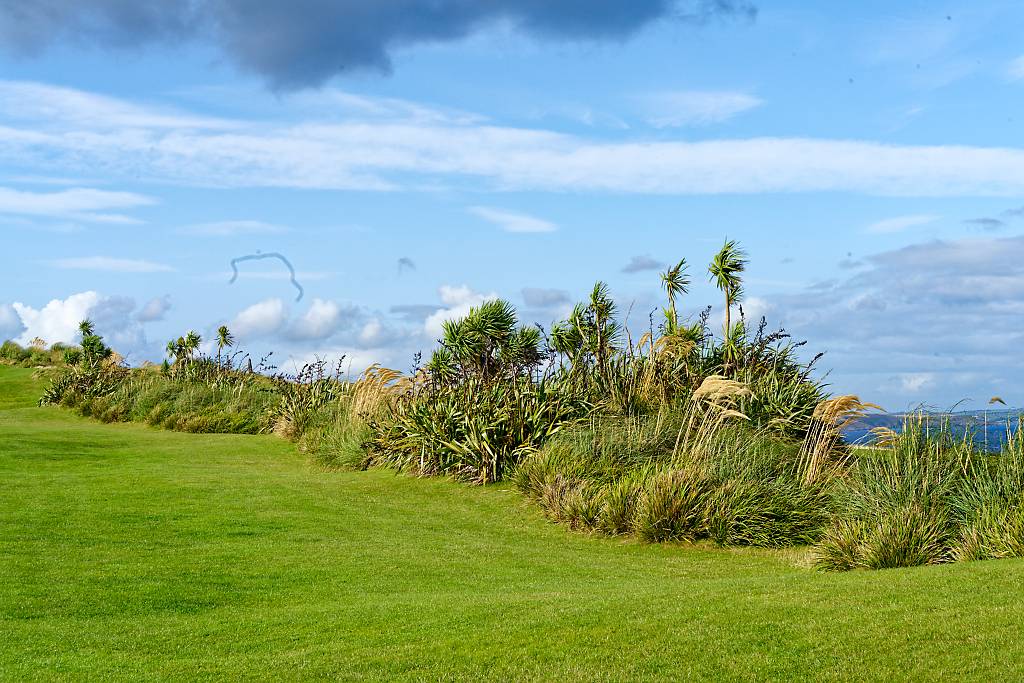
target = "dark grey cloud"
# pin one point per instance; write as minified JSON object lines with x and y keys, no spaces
{"x":302,"y":43}
{"x":639,"y":264}
{"x":535,"y":297}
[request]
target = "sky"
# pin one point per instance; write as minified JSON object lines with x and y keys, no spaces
{"x":410,"y":159}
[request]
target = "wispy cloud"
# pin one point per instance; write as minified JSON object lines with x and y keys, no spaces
{"x":80,"y":204}
{"x":510,"y":221}
{"x":639,"y":264}
{"x":113,"y":265}
{"x":695,"y":107}
{"x":408,"y":154}
{"x":900,"y":224}
{"x":537,"y":297}
{"x":53,"y":105}
{"x":986,"y":223}
{"x":1015,"y":69}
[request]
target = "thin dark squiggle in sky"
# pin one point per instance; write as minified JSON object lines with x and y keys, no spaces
{"x":269,"y":254}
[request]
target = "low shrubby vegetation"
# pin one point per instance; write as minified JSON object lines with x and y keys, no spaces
{"x":36,"y":355}
{"x":682,"y":434}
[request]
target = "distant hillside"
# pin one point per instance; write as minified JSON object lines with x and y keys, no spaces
{"x":989,"y":426}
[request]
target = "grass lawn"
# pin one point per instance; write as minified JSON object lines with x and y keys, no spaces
{"x":128,"y":552}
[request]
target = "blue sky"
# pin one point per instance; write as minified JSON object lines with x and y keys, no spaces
{"x":869,"y":158}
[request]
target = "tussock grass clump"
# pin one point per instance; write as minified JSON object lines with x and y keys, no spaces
{"x":927,"y":496}
{"x":673,"y":506}
{"x":337,"y":434}
{"x":733,"y":485}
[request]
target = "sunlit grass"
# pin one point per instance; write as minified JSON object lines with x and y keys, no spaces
{"x":133,"y":553}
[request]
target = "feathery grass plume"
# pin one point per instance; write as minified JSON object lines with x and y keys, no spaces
{"x":710,"y":406}
{"x":823,"y":452}
{"x":376,"y":386}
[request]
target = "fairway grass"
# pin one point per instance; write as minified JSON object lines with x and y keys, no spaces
{"x":132,"y":553}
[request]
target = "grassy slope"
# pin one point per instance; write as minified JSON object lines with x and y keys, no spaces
{"x":131,"y":552}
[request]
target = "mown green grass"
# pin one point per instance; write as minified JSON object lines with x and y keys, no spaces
{"x":129,"y":552}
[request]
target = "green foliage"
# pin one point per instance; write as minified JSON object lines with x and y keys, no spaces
{"x":741,"y":487}
{"x":472,"y":429}
{"x":13,"y":353}
{"x":479,"y":409}
{"x":485,"y":344}
{"x":35,"y":355}
{"x":928,"y":496}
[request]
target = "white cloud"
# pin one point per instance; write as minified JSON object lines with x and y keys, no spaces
{"x":458,"y":300}
{"x":409,"y":152}
{"x":512,"y":222}
{"x":916,"y":381}
{"x":58,"y":320}
{"x":371,"y":332}
{"x":695,"y":107}
{"x":232,"y":228}
{"x":260,"y":319}
{"x":899,"y":224}
{"x":154,"y":309}
{"x":353,"y":360}
{"x":1015,"y":69}
{"x":113,"y":265}
{"x":320,"y":321}
{"x":114,"y":317}
{"x":754,"y":308}
{"x":78,"y":203}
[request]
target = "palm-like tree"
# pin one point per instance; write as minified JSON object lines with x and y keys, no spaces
{"x":677,"y":283}
{"x":87,"y":328}
{"x":726,"y":272}
{"x":485,"y":343}
{"x":191,"y":343}
{"x":224,"y":340}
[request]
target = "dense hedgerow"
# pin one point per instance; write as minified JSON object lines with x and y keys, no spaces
{"x":679,"y":435}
